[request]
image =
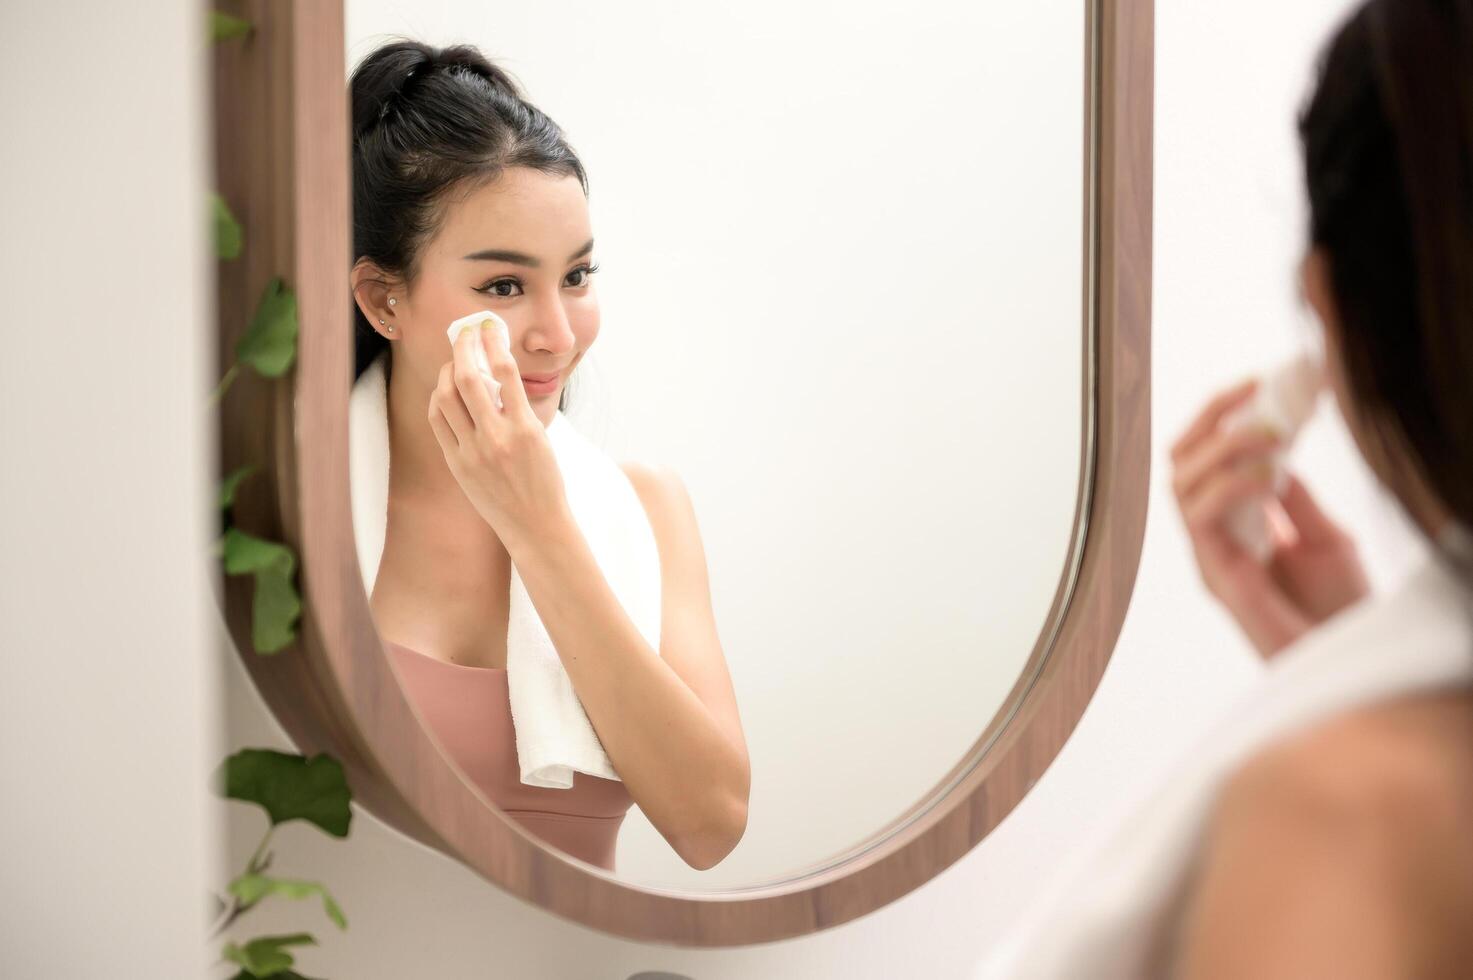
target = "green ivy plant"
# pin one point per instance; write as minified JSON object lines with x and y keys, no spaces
{"x":287,"y":786}
{"x":223,"y":27}
{"x":269,"y":346}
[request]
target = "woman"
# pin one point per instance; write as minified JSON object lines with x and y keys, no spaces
{"x":466,"y":197}
{"x":1326,"y":828}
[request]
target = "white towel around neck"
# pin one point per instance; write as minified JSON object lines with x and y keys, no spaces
{"x":554,"y":736}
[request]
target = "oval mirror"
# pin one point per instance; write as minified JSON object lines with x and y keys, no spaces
{"x":850,"y":417}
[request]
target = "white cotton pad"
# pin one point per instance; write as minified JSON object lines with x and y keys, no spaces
{"x":474,"y":321}
{"x":1284,"y":401}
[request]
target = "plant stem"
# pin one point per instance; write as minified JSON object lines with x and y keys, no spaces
{"x":225,"y":382}
{"x":232,"y":911}
{"x":252,"y":866}
{"x":235,"y":909}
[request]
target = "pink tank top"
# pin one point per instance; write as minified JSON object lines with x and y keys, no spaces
{"x":468,"y":710}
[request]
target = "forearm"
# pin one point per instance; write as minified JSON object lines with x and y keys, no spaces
{"x":685,"y":772}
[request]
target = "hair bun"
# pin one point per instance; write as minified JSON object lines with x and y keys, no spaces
{"x":382,"y":80}
{"x":466,"y":58}
{"x":388,"y":77}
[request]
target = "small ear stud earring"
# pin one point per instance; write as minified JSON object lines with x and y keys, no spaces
{"x":392,"y":301}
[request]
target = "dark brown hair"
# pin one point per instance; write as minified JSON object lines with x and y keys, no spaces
{"x":427,"y":120}
{"x":1388,"y":157}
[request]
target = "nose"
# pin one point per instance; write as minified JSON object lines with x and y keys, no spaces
{"x":549,"y":329}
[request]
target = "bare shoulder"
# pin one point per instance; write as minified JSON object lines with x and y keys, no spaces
{"x":662,"y":492}
{"x":655,"y":481}
{"x":1343,"y":849}
{"x":672,"y":514}
{"x":1399,"y":764}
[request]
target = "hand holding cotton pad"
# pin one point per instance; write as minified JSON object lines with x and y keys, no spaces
{"x":1285,"y":399}
{"x":474,"y":321}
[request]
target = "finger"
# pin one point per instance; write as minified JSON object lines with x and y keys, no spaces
{"x":1220,"y":450}
{"x":470,"y":382}
{"x":446,"y":399}
{"x":514,"y":401}
{"x":1236,"y":578}
{"x":1280,"y":529}
{"x":1263,"y":610}
{"x":1277,"y":622}
{"x":1207,"y":421}
{"x":1313,"y":525}
{"x":1221,"y":492}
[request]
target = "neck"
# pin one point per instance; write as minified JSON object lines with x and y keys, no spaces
{"x":1429,"y":514}
{"x":421,"y":487}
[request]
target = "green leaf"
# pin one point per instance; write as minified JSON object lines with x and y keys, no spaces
{"x":276,"y":605}
{"x":227,"y":487}
{"x":275,"y":609}
{"x":251,"y":888}
{"x":227,"y":229}
{"x":283,"y":975}
{"x":266,"y":956}
{"x":245,"y":554}
{"x":289,"y":787}
{"x":270,"y":345}
{"x":223,"y":27}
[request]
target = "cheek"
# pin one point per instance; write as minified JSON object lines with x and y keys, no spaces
{"x":585,"y":325}
{"x":439,"y":297}
{"x":425,"y":344}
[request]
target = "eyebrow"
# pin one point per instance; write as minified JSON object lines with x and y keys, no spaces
{"x":521,"y":258}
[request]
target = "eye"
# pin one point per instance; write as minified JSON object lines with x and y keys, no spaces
{"x":587,"y":271}
{"x":493,"y":288}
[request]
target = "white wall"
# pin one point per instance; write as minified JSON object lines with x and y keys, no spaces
{"x":1228,"y":228}
{"x":108,"y":700}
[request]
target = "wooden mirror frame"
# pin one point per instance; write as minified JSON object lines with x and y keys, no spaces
{"x":282,"y":153}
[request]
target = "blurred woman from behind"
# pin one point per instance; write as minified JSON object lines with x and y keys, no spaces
{"x":1325,"y":827}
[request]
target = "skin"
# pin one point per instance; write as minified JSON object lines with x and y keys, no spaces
{"x":474,"y":489}
{"x":1340,"y":851}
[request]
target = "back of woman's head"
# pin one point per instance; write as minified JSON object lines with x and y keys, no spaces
{"x":429,"y":122}
{"x":1388,"y":152}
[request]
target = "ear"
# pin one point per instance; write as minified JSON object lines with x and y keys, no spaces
{"x":1314,"y":282}
{"x":1314,"y":277}
{"x":372,"y":290}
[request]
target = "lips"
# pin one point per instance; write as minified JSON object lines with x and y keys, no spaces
{"x":540,"y":378}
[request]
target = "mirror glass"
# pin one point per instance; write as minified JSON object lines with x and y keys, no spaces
{"x":840,"y":288}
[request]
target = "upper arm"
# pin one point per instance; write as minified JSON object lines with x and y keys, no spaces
{"x":688,"y":637}
{"x":1311,"y":867}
